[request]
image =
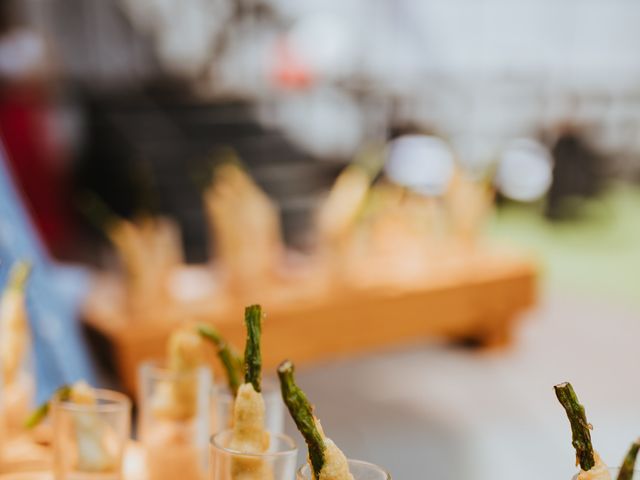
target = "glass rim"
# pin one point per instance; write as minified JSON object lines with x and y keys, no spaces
{"x":609,"y":469}
{"x":352,"y":461}
{"x":158,"y":369}
{"x":214,"y":442}
{"x":116,"y":402}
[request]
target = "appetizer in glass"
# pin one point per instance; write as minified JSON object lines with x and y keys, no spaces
{"x":174,"y":410}
{"x":90,"y":431}
{"x":326,"y":460}
{"x":223,"y":395}
{"x":248,"y":451}
{"x":591,"y":465}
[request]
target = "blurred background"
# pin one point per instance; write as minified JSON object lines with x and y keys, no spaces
{"x":460,"y":179}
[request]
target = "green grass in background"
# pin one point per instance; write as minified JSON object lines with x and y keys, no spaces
{"x":599,"y":254}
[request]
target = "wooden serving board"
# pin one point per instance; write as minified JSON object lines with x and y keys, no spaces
{"x":478,"y":301}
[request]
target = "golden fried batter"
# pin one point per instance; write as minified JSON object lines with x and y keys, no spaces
{"x":249,"y":436}
{"x":598,"y":472}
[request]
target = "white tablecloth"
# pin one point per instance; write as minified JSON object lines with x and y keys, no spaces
{"x":437,"y":412}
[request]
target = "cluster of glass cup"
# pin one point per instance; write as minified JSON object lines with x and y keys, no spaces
{"x":194,"y":448}
{"x":279,"y":460}
{"x":186,"y":449}
{"x":215,"y":410}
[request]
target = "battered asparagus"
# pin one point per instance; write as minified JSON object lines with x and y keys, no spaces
{"x":302,"y":413}
{"x":326,"y":460}
{"x":231,"y":360}
{"x":249,"y":434}
{"x":14,"y":340}
{"x":628,"y":465}
{"x":252,"y":356}
{"x":592,"y":467}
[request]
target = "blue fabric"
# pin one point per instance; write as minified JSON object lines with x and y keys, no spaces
{"x":54,"y":295}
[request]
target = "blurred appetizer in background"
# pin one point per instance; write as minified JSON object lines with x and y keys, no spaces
{"x":149,"y":251}
{"x":245,"y":228}
{"x":381,"y":235}
{"x":399,"y":230}
{"x":15,"y":350}
{"x":174,"y":417}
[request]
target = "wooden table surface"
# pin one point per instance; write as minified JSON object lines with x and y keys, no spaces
{"x":478,"y":299}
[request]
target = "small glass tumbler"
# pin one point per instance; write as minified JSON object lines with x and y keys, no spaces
{"x":222,"y":407}
{"x":173,"y":422}
{"x":89,"y":440}
{"x":277,"y":463}
{"x":360,"y":471}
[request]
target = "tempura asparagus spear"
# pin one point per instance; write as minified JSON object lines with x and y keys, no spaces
{"x":628,"y":465}
{"x":252,"y":355}
{"x":302,"y":413}
{"x":326,"y":460}
{"x":249,"y":433}
{"x":14,"y":339}
{"x":231,"y":360}
{"x":591,"y":466}
{"x":580,"y":428}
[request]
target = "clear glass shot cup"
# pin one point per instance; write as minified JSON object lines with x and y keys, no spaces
{"x":89,"y":440}
{"x":613,"y":473}
{"x":277,"y":463}
{"x":222,"y":407}
{"x":359,"y":469}
{"x":173,"y":421}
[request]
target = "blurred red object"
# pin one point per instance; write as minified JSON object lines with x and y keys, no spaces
{"x":289,"y":71}
{"x":36,"y":161}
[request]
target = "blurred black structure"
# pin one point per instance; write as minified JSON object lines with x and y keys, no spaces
{"x":579,"y":173}
{"x":153,"y":149}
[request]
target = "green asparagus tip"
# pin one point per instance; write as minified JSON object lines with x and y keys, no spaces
{"x":302,"y":413}
{"x":40,"y":413}
{"x":580,"y":428}
{"x":629,"y":462}
{"x":19,"y":275}
{"x":252,"y":355}
{"x":285,"y":366}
